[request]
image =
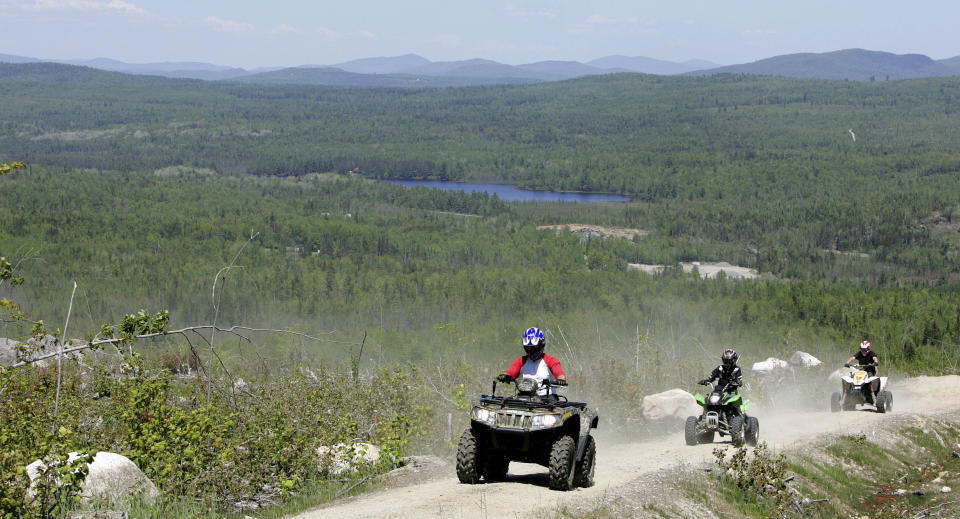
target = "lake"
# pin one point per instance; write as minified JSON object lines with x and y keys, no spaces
{"x":510,"y":193}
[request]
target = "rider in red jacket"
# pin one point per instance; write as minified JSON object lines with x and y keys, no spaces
{"x":536,"y":363}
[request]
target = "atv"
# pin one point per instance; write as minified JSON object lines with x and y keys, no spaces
{"x":862,"y":388}
{"x":532,"y":428}
{"x":724,"y":412}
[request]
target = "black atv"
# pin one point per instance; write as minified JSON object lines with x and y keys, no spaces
{"x":528,"y":427}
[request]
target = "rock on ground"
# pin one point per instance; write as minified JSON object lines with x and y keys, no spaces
{"x":111,"y":476}
{"x":344,"y":458}
{"x":769,"y":365}
{"x":675,"y":403}
{"x":804,"y":359}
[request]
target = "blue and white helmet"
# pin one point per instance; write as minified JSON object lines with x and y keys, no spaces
{"x":533,"y":340}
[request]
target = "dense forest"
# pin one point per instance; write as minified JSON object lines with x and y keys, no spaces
{"x":766,"y":162}
{"x":143,"y":189}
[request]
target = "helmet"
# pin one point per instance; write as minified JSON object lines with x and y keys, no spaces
{"x":729,"y":357}
{"x":865,"y":346}
{"x":533,"y":341}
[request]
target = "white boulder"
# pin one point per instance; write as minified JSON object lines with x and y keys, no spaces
{"x":768,"y":365}
{"x":675,"y":403}
{"x":803,"y":359}
{"x":345,"y":458}
{"x":111,"y":476}
{"x":8,"y":351}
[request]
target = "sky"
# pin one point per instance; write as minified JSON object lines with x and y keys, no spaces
{"x":282,"y":33}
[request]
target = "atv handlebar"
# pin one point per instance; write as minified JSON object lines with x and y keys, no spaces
{"x":506,"y":379}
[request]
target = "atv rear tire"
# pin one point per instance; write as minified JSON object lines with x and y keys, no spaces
{"x":736,"y":430}
{"x":836,"y":399}
{"x":468,"y":458}
{"x":884,"y":401}
{"x":495,"y":468}
{"x":690,"y":431}
{"x":561,"y":459}
{"x":751,"y":431}
{"x":587,"y":466}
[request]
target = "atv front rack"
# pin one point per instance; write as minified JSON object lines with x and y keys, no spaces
{"x":524,"y":403}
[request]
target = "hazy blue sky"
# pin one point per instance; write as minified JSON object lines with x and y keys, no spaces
{"x":247,"y":33}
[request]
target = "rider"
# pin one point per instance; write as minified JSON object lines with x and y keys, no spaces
{"x":536,"y":363}
{"x":728,"y":375}
{"x":865,"y":358}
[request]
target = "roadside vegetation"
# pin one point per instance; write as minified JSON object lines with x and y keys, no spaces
{"x":356,"y":310}
{"x":903,"y":471}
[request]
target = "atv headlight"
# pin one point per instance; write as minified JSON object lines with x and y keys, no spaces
{"x":714,"y":399}
{"x":544,"y":420}
{"x":484,"y":415}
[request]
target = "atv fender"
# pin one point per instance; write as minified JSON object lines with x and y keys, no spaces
{"x":586,"y":423}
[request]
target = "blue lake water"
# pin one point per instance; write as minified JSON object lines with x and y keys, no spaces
{"x":512,"y":193}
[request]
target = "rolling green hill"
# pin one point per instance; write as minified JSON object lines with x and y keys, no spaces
{"x":766,"y":164}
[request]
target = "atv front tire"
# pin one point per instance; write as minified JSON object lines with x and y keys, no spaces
{"x":736,"y":430}
{"x":561,"y":458}
{"x":836,"y":400}
{"x":587,"y":466}
{"x":468,"y":458}
{"x":690,"y":431}
{"x":884,"y":401}
{"x":751,"y":431}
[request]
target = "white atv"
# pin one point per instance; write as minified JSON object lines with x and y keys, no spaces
{"x":862,"y":388}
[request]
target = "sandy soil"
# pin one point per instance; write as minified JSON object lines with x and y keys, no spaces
{"x":706,"y":269}
{"x":597,"y":230}
{"x":622,"y":465}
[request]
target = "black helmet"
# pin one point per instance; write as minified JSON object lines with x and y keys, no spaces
{"x":729,"y":357}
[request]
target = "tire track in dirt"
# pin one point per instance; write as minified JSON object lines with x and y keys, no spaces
{"x":525,"y":491}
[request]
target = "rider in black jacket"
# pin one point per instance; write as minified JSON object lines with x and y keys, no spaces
{"x":728,"y":375}
{"x":865,"y":358}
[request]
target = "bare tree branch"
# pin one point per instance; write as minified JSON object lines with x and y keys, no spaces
{"x":182,"y":331}
{"x":56,"y":399}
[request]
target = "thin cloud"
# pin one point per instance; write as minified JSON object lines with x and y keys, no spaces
{"x":287,"y":29}
{"x":520,"y":12}
{"x":222,"y":25}
{"x":86,"y":5}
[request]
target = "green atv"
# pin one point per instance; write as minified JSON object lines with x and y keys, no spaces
{"x":528,"y":427}
{"x":724,"y":412}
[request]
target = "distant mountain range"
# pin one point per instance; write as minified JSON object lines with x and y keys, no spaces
{"x":411,"y":70}
{"x":408,"y":70}
{"x":852,"y":64}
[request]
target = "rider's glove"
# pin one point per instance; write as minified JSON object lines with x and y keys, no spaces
{"x":846,"y":364}
{"x":704,"y":382}
{"x":559,"y":382}
{"x":503,"y":377}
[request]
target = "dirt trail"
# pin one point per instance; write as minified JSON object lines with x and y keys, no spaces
{"x":525,"y":490}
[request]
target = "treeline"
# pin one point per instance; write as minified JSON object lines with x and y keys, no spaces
{"x":762,"y":169}
{"x":334,"y":252}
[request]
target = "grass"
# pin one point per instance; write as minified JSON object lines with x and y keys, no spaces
{"x":311,"y":494}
